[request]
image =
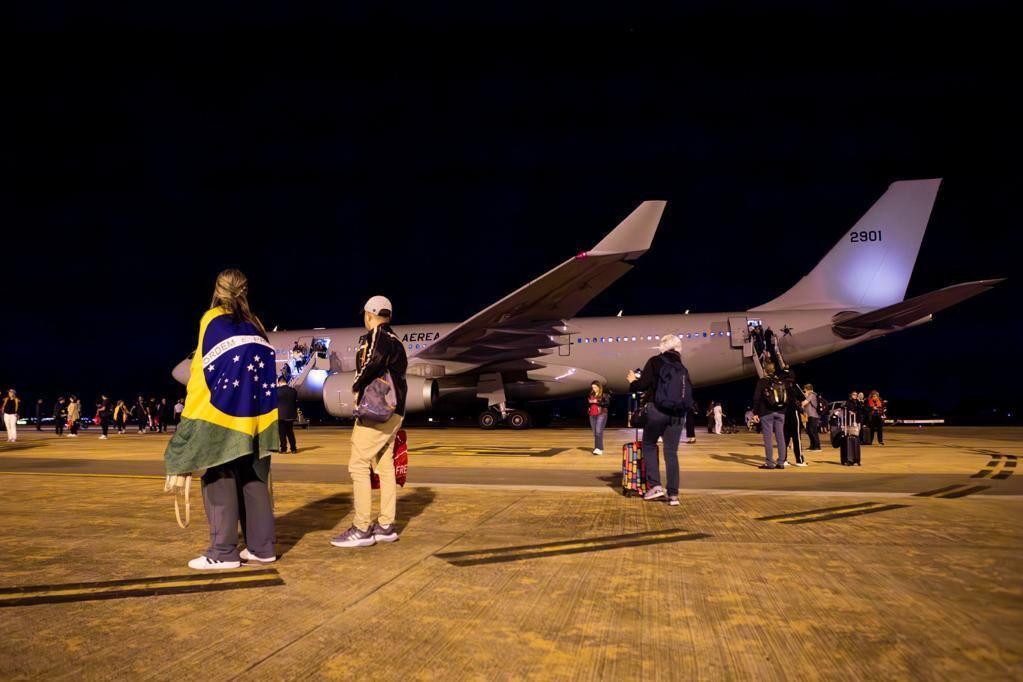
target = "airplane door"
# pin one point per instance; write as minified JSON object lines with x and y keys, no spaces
{"x":565,"y":348}
{"x":737,"y":331}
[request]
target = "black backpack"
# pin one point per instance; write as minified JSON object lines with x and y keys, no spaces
{"x":776,"y":395}
{"x":674,"y":390}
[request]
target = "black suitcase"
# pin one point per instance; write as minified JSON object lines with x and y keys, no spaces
{"x":866,"y":437}
{"x":850,"y":451}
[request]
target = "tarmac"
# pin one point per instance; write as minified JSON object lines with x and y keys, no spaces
{"x":520,"y":558}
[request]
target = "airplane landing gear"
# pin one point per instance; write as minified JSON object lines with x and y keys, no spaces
{"x":515,"y":419}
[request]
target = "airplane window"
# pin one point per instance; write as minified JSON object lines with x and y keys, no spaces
{"x":704,"y":334}
{"x":712,"y":333}
{"x":618,"y":339}
{"x":633,"y":338}
{"x":578,"y":340}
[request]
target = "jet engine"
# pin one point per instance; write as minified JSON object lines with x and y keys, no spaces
{"x":339,"y":401}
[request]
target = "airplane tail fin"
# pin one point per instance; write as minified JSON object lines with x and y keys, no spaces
{"x":871,"y":265}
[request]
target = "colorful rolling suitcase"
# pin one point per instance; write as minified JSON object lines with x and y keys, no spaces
{"x":633,"y":468}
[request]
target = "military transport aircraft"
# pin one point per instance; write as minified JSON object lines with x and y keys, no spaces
{"x":530,"y":346}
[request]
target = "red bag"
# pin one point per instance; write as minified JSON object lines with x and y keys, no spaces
{"x":594,"y":409}
{"x":400,"y":457}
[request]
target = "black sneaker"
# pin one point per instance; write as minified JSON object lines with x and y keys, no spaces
{"x":767,"y":466}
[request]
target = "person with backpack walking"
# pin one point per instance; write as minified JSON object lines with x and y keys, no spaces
{"x":598,"y":400}
{"x":769,"y":401}
{"x":666,"y":380}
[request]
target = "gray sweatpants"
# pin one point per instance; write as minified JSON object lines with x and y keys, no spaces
{"x":772,"y":425}
{"x":232,"y":492}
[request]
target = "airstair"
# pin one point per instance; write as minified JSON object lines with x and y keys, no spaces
{"x":759,"y":343}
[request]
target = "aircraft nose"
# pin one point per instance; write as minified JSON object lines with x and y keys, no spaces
{"x":182,"y":371}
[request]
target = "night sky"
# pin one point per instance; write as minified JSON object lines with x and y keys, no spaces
{"x":445,"y":157}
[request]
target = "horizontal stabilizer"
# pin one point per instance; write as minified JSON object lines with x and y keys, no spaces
{"x":911,"y":310}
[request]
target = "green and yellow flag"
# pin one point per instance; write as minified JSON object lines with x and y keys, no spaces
{"x":231,"y":406}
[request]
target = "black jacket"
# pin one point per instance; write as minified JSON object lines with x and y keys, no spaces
{"x":648,"y":378}
{"x":287,"y":403}
{"x":381,"y":351}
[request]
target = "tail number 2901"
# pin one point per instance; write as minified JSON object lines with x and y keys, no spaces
{"x":865,"y":236}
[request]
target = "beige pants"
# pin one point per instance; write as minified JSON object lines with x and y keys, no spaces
{"x":372,"y":445}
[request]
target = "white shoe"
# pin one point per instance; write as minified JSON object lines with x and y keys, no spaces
{"x":102,"y":437}
{"x":800,"y":464}
{"x":246,"y":555}
{"x":598,"y":451}
{"x":204,"y":563}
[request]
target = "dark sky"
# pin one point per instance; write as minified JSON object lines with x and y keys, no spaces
{"x":445,"y":157}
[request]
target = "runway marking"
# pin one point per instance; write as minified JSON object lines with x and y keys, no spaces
{"x":598,"y":544}
{"x":842,"y":515}
{"x":137,"y":587}
{"x":813,"y":512}
{"x":1007,"y":463}
{"x":486,"y":451}
{"x":929,"y":493}
{"x":964,"y":493}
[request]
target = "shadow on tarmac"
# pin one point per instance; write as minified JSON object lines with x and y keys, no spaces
{"x":325,"y":513}
{"x":738,"y":458}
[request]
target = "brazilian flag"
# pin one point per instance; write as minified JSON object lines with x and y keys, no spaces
{"x":231,"y":406}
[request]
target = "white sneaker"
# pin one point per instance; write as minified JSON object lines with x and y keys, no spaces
{"x":800,"y":464}
{"x":246,"y":555}
{"x":204,"y":563}
{"x":598,"y":451}
{"x":102,"y":437}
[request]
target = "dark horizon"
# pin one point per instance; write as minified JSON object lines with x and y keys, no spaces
{"x":148,"y":156}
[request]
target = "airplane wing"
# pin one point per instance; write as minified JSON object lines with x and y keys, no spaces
{"x":911,"y":310}
{"x":521,"y":325}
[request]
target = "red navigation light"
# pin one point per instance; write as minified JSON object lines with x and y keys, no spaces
{"x":581,"y":254}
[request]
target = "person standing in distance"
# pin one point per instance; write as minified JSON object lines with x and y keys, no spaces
{"x":598,"y":400}
{"x":74,"y":416}
{"x":10,"y":407}
{"x":287,"y":413}
{"x":59,"y":416}
{"x":380,"y":352}
{"x":666,"y":380}
{"x":105,"y":414}
{"x":39,"y":414}
{"x":811,"y":407}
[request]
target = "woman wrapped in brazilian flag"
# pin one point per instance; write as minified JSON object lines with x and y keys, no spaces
{"x":229,"y":427}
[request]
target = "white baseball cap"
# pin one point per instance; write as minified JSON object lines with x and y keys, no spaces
{"x":379,"y":305}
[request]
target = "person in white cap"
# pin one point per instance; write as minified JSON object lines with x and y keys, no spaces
{"x":380,"y":352}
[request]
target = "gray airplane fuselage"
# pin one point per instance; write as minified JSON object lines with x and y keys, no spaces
{"x":602,"y":349}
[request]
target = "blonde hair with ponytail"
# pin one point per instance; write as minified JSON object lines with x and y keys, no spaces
{"x":232,"y":292}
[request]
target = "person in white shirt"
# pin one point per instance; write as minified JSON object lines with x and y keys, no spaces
{"x":718,"y":417}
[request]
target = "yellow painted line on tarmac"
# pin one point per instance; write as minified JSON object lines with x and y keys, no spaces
{"x":28,"y":595}
{"x":73,"y":475}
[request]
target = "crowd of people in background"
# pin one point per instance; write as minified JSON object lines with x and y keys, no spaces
{"x":68,"y":416}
